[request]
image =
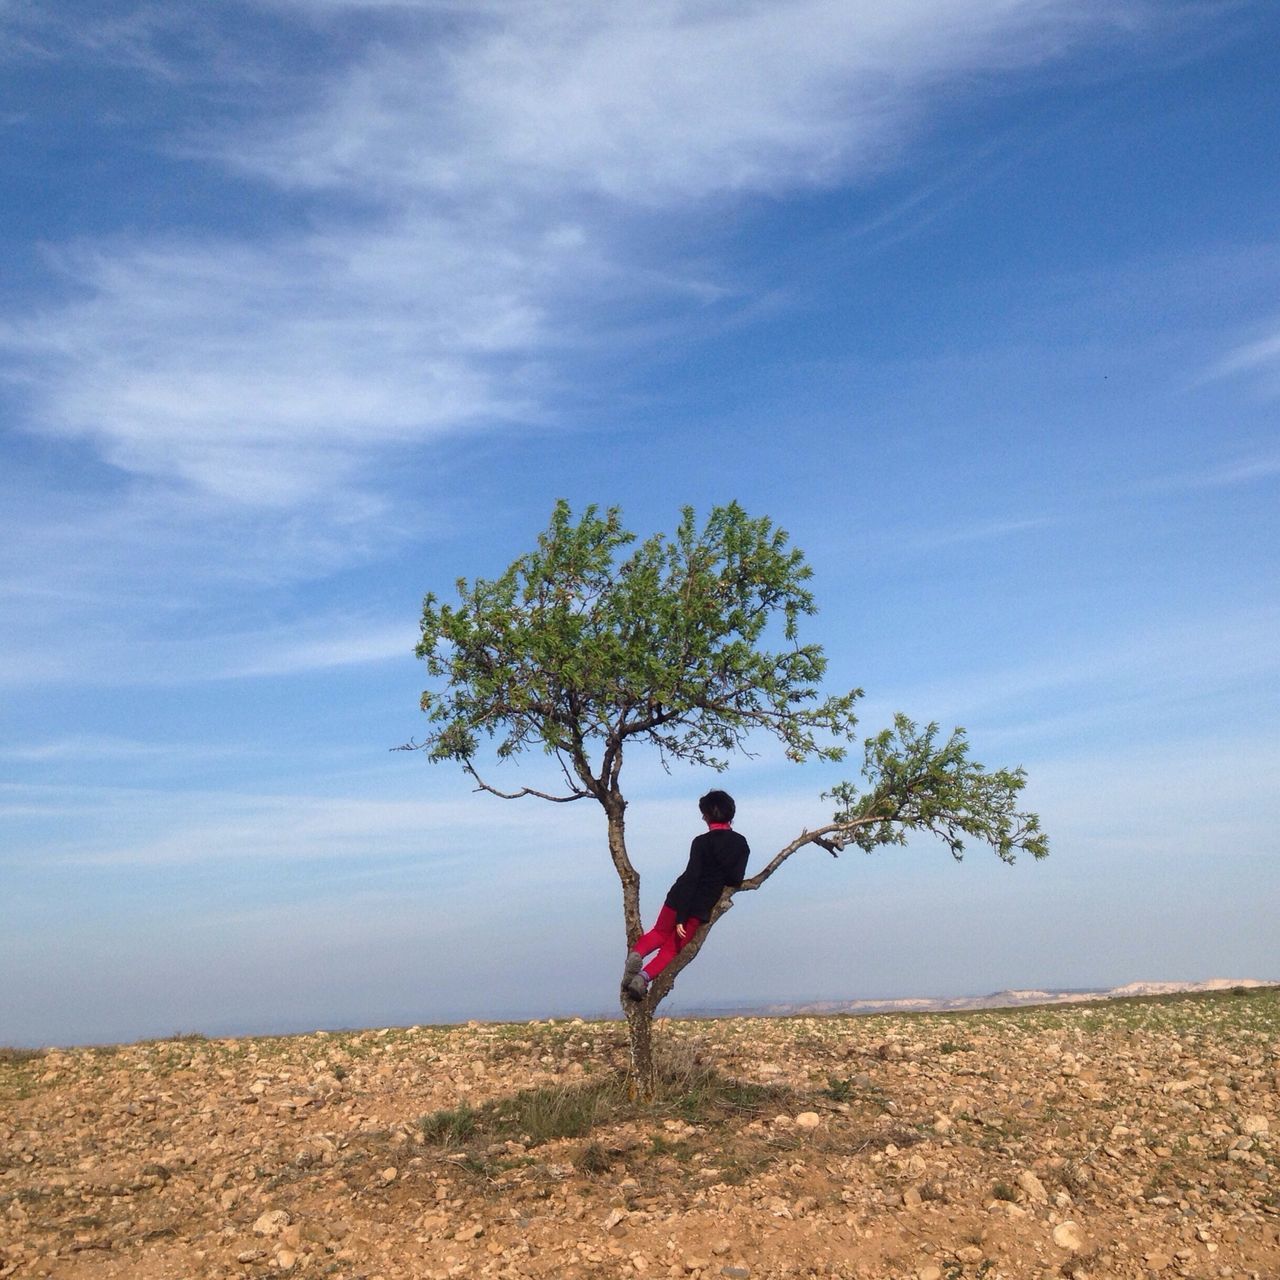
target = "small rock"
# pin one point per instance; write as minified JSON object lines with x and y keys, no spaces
{"x":808,"y":1120}
{"x":736,"y":1273}
{"x":929,"y":1272}
{"x":271,"y":1223}
{"x":720,"y":1248}
{"x":1032,"y":1186}
{"x":389,"y":1174}
{"x":1067,"y":1235}
{"x":1158,"y":1261}
{"x":911,"y":1198}
{"x":696,"y":1264}
{"x":285,"y":1259}
{"x":1255,"y":1126}
{"x":469,"y":1233}
{"x":615,"y":1220}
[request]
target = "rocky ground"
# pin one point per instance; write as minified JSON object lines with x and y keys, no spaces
{"x":1132,"y":1139}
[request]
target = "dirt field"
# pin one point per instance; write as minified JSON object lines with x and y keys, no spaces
{"x":1132,"y":1139}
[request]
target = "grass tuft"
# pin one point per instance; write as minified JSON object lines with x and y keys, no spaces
{"x":449,"y":1128}
{"x":694,"y":1093}
{"x":593,"y":1159}
{"x":13,"y":1056}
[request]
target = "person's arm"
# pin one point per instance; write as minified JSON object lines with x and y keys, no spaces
{"x":737,"y":869}
{"x":688,"y":883}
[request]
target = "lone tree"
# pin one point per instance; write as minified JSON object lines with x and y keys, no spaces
{"x":589,"y":645}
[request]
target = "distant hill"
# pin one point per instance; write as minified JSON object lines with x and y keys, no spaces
{"x":996,"y":1000}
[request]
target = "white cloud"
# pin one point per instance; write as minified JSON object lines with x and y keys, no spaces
{"x":349,"y":643}
{"x":97,"y":747}
{"x":1109,"y":683}
{"x":669,"y":101}
{"x":268,"y":374}
{"x":273,"y":369}
{"x":1262,"y":353}
{"x":981,"y":531}
{"x":144,"y":655}
{"x":131,"y":826}
{"x":1237,"y":471}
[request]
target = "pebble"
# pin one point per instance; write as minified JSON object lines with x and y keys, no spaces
{"x":808,"y":1120}
{"x":1067,"y":1235}
{"x":1255,"y":1126}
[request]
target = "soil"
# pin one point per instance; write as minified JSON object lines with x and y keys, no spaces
{"x":1129,"y":1139}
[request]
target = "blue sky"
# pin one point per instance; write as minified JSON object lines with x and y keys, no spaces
{"x":309,"y":307}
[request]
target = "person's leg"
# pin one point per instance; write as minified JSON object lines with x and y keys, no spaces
{"x":661,"y":935}
{"x":663,"y":929}
{"x":672,"y":943}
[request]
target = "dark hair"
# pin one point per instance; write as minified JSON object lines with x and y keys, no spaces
{"x":717,"y":806}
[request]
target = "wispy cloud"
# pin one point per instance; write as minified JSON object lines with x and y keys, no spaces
{"x":1222,"y":475}
{"x":102,"y":748}
{"x":1264,"y":353}
{"x":269,"y":374}
{"x":666,"y":103}
{"x":1257,"y":361}
{"x":483,"y":166}
{"x":146,"y":655}
{"x":1109,"y":682}
{"x":130,"y":826}
{"x":351,"y":643}
{"x":980,"y":531}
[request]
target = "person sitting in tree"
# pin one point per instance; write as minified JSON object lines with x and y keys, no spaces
{"x":717,"y":858}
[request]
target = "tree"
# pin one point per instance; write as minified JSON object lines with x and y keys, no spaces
{"x":588,"y":645}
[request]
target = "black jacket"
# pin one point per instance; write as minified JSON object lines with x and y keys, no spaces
{"x":716,"y":859}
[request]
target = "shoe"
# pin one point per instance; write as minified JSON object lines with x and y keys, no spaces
{"x":638,"y":986}
{"x":634,"y":961}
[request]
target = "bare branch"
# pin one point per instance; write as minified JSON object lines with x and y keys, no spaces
{"x":482,"y":785}
{"x":842,"y":831}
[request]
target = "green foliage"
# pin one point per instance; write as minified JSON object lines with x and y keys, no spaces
{"x":919,"y":784}
{"x":577,"y":648}
{"x":689,"y":644}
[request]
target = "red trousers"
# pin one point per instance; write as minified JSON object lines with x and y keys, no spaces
{"x":662,"y":938}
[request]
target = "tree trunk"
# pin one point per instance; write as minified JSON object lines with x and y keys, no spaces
{"x":627,"y":874}
{"x":643,"y":1073}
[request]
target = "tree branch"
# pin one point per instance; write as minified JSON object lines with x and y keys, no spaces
{"x":843,"y":831}
{"x":482,"y":785}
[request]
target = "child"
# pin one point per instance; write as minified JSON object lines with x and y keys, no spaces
{"x":717,"y":858}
